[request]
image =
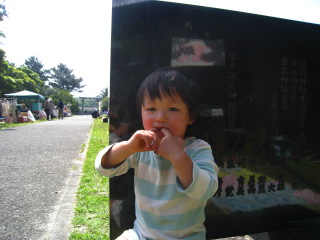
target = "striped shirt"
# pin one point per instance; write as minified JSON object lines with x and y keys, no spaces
{"x":164,"y":209}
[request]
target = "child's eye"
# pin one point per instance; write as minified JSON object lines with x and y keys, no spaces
{"x":151,"y":109}
{"x":173,"y":109}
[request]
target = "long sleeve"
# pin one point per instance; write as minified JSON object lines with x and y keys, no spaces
{"x":116,"y":171}
{"x":205,"y":171}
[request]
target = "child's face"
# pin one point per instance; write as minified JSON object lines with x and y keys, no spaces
{"x":169,"y":113}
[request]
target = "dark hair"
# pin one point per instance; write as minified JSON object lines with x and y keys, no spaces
{"x":169,"y":82}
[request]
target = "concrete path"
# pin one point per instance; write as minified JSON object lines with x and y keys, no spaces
{"x":40,"y":169}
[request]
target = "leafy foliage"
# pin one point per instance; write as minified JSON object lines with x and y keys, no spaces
{"x":31,"y":76}
{"x":104,"y":92}
{"x":105,"y":100}
{"x":63,"y":78}
{"x":67,"y":98}
{"x":17,"y":79}
{"x":105,"y":104}
{"x":35,"y":65}
{"x":3,"y":13}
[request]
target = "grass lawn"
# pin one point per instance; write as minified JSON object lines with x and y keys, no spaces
{"x":11,"y":125}
{"x":91,"y":217}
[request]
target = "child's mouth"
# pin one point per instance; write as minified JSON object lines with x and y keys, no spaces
{"x":157,"y":131}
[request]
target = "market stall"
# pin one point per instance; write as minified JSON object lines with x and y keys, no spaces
{"x":22,"y":114}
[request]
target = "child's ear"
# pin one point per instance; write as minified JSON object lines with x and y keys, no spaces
{"x":191,"y":120}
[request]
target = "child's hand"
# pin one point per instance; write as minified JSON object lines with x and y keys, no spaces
{"x":170,"y":146}
{"x":143,"y":141}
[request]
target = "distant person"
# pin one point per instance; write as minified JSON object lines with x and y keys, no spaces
{"x":60,"y":106}
{"x":46,"y":107}
{"x":51,"y":107}
{"x":95,"y":114}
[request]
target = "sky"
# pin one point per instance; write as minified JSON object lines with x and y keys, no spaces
{"x":78,"y":32}
{"x":73,"y":32}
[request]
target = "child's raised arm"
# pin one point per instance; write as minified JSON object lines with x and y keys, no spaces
{"x":141,"y":141}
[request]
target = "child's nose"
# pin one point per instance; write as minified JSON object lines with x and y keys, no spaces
{"x":161,"y":116}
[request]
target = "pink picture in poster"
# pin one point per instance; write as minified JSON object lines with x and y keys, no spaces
{"x":197,"y":52}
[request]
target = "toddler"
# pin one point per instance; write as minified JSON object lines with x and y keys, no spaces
{"x":175,"y":174}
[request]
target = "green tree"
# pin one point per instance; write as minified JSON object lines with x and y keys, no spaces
{"x":105,"y":99}
{"x":36,"y":65}
{"x":62,"y":77}
{"x":3,"y":13}
{"x":105,"y":104}
{"x":104,"y":92}
{"x":25,"y":79}
{"x":39,"y":83}
{"x":7,"y":83}
{"x":66,"y":97}
{"x":17,"y":79}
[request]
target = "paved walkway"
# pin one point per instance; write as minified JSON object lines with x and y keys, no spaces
{"x":40,"y":169}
